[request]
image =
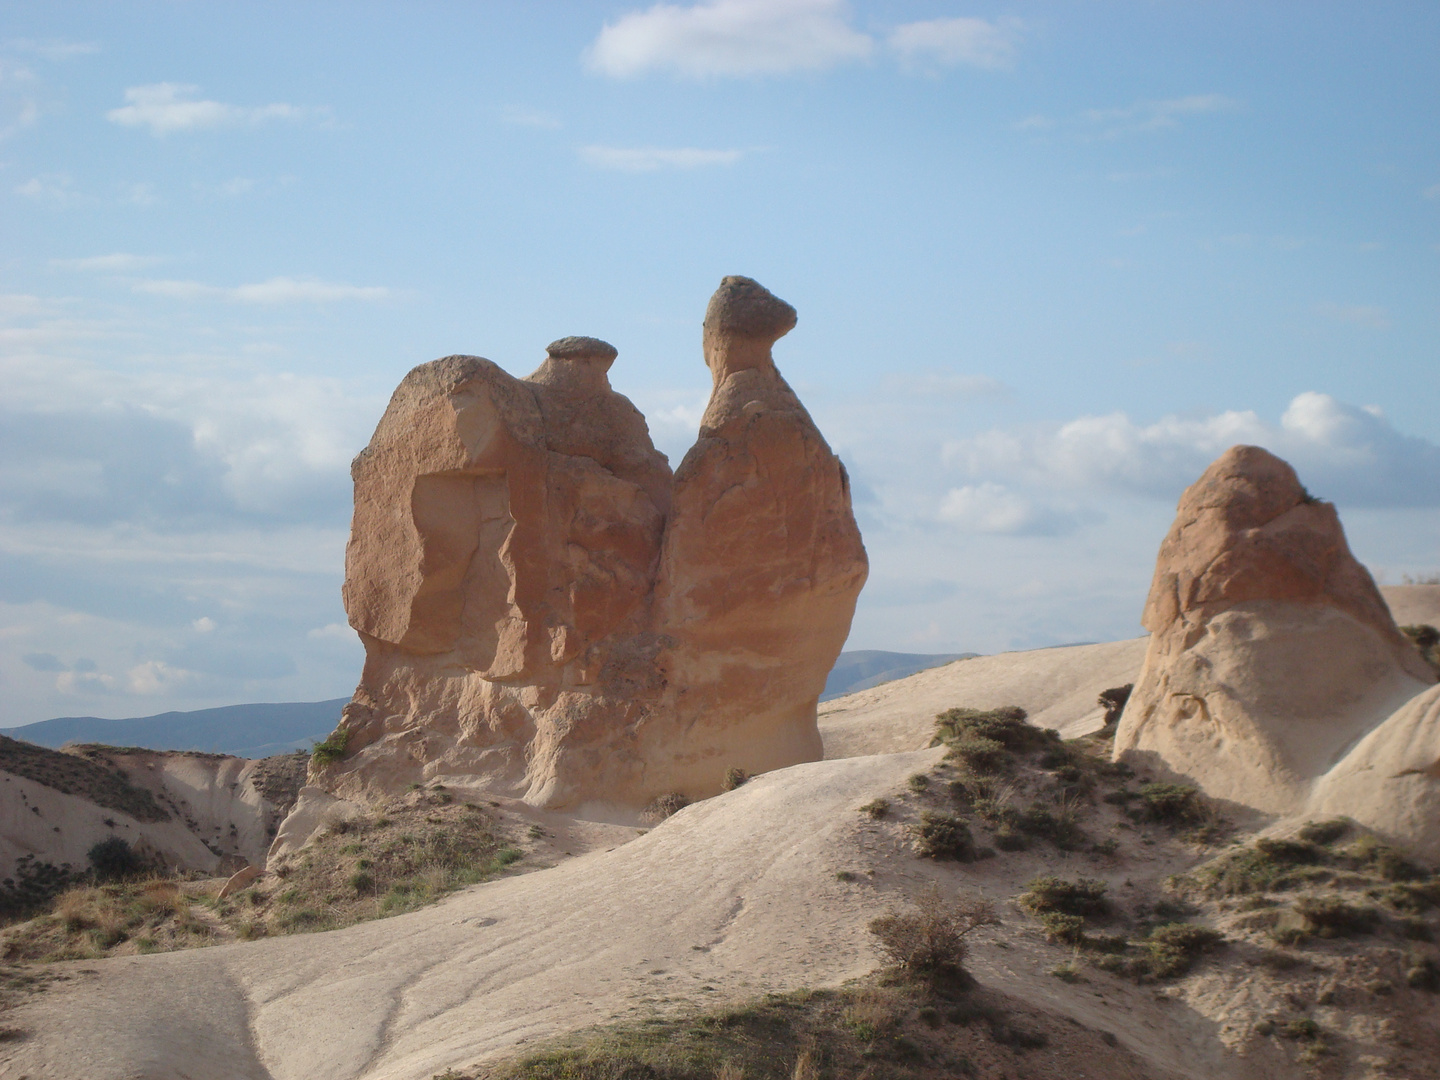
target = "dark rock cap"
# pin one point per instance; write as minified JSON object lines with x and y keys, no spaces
{"x":582,"y":348}
{"x":745,"y":308}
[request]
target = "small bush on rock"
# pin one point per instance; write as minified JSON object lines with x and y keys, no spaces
{"x":1173,"y":949}
{"x":332,"y":748}
{"x":1083,"y":896}
{"x":930,"y":937}
{"x":113,"y":859}
{"x":942,"y":836}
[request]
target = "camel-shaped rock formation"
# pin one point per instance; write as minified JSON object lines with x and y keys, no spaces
{"x":548,"y":613}
{"x":1272,"y":654}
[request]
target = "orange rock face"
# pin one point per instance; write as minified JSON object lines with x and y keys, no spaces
{"x":547,"y":612}
{"x":1271,"y":650}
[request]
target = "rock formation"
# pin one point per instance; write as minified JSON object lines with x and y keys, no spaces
{"x":1271,"y":652}
{"x":546,"y":612}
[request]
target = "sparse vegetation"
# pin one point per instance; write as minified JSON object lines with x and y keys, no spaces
{"x":664,"y":806}
{"x":1173,"y":949}
{"x":75,"y":772}
{"x":428,"y":845}
{"x":1113,"y":702}
{"x":942,"y":836}
{"x":332,"y":748}
{"x":1426,"y":638}
{"x":113,"y":859}
{"x":734,"y":778}
{"x":876,"y":809}
{"x":930,"y":937}
{"x":919,"y":783}
{"x":1083,"y":896}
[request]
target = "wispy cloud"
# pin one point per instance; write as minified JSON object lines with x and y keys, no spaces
{"x":952,"y":42}
{"x":166,"y":108}
{"x":52,"y":48}
{"x":117,"y":263}
{"x":56,"y":189}
{"x":1141,"y":118}
{"x":1372,"y":316}
{"x":992,"y":508}
{"x":1150,"y":116}
{"x":651,"y":159}
{"x":279,"y":290}
{"x":729,"y":37}
{"x":520,"y":116}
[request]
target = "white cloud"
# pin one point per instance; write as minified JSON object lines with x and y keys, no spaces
{"x":155,"y":677}
{"x":992,"y":508}
{"x":57,"y":189}
{"x":1151,"y":116}
{"x":52,"y":48}
{"x":1369,"y":315}
{"x":204,"y":625}
{"x":27,"y":115}
{"x":950,"y":42}
{"x":84,"y":682}
{"x":280,"y":290}
{"x":729,"y":37}
{"x":170,"y":107}
{"x":651,"y":159}
{"x":334,"y":630}
{"x":519,"y":116}
{"x":1348,"y":453}
{"x":114,"y":264}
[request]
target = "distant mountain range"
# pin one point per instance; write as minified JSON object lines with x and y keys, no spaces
{"x":250,"y":731}
{"x":256,"y":731}
{"x":865,"y":668}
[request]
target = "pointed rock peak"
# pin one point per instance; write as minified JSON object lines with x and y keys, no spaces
{"x":1251,"y":485}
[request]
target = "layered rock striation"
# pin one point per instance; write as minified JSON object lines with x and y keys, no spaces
{"x":1272,"y":653}
{"x":549,"y":613}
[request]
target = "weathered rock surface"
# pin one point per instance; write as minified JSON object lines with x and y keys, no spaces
{"x":546,"y":610}
{"x":1272,"y":652}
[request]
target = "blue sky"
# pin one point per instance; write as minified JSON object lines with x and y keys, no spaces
{"x":1050,"y":259}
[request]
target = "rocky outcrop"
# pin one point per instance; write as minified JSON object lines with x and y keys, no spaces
{"x":547,"y":612}
{"x":1272,"y":652}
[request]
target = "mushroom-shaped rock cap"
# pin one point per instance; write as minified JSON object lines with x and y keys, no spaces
{"x":582,"y":348}
{"x":742,"y":307}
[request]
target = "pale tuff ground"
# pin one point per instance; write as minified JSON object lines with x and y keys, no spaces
{"x":729,"y":898}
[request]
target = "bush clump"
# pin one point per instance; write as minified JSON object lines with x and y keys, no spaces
{"x":942,"y":836}
{"x":33,"y":885}
{"x":1173,"y":949}
{"x":1083,"y":896}
{"x":1427,"y":639}
{"x":1331,"y":916}
{"x":1268,"y":864}
{"x":930,"y":937}
{"x":332,"y":748}
{"x":984,"y":739}
{"x":113,"y":859}
{"x":1172,"y":804}
{"x":1113,"y":702}
{"x":663,"y":806}
{"x":876,"y":809}
{"x":734,"y":778}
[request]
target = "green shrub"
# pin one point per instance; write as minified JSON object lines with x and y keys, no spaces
{"x":1113,"y":702}
{"x":1083,"y":896}
{"x":1325,"y":832}
{"x":1331,"y":916}
{"x":1062,"y":928}
{"x":876,"y":809}
{"x":1369,"y":853}
{"x":32,"y":885}
{"x":113,"y":859}
{"x":1172,"y":804}
{"x":942,"y":836}
{"x":1173,"y":949}
{"x":332,"y":748}
{"x":1269,"y":864}
{"x":918,"y":783}
{"x":979,"y":754}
